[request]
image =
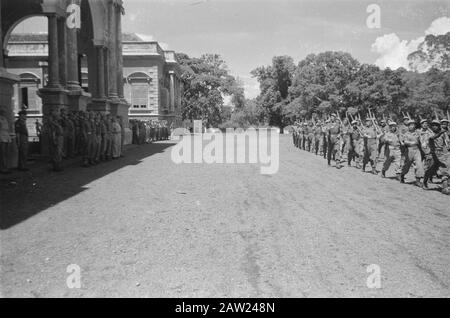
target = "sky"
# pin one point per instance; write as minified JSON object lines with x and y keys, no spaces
{"x":248,"y":33}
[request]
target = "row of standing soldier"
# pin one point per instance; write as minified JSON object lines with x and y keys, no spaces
{"x":94,"y":136}
{"x":146,"y":131}
{"x":426,"y":145}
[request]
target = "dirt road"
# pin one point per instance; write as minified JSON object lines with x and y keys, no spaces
{"x":143,"y":226}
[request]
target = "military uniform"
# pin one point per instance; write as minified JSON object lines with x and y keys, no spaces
{"x":411,"y":141}
{"x":22,"y":143}
{"x":334,"y":143}
{"x":317,"y":138}
{"x":393,"y":142}
{"x":371,"y":148}
{"x":56,"y":143}
{"x":441,"y":160}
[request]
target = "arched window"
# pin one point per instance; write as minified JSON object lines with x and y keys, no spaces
{"x":28,"y":88}
{"x":139,"y":90}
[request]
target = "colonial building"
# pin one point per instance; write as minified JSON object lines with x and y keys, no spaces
{"x":79,"y":31}
{"x":151,"y":77}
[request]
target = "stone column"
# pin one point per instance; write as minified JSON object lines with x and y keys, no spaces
{"x":119,"y":11}
{"x":100,"y":72}
{"x":7,"y":82}
{"x":73,"y":60}
{"x":53,"y":61}
{"x":62,"y":51}
{"x":172,"y":91}
{"x":112,"y":56}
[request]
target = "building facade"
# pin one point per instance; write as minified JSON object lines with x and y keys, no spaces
{"x":151,"y":78}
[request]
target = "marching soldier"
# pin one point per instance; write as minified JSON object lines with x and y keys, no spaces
{"x":334,"y":142}
{"x":411,"y":141}
{"x":440,"y":157}
{"x":371,"y":149}
{"x":317,"y":137}
{"x":356,"y":146}
{"x":325,"y":138}
{"x":393,"y":142}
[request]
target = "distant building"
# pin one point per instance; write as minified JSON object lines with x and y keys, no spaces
{"x":151,"y":77}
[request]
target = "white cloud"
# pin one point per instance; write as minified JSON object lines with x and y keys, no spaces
{"x":439,"y":26}
{"x":393,"y":52}
{"x":251,"y":86}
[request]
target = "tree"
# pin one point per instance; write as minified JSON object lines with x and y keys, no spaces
{"x":320,"y":82}
{"x":433,"y":52}
{"x":274,"y":81}
{"x":206,"y":81}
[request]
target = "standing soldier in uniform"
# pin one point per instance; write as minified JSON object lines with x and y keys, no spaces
{"x":71,"y":136}
{"x":411,"y":140}
{"x":86,"y":132}
{"x":56,"y":141}
{"x":22,"y":140}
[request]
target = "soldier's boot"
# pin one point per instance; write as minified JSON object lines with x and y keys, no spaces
{"x":425,"y":181}
{"x":445,"y":187}
{"x":374,"y":171}
{"x":402,"y":178}
{"x":383,"y":174}
{"x":364,"y":167}
{"x":418,"y":183}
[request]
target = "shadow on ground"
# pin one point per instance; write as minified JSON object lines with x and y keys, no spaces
{"x":27,"y":194}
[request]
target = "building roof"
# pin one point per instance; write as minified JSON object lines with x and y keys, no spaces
{"x":131,"y":46}
{"x":42,"y":37}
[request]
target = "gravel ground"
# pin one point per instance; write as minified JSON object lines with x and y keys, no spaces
{"x":145,"y":227}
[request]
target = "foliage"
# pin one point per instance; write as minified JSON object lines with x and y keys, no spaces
{"x":205,"y":82}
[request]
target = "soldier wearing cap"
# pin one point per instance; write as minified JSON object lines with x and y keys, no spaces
{"x":411,"y":140}
{"x":22,"y":140}
{"x":334,"y":141}
{"x":440,"y":156}
{"x":310,"y":136}
{"x":371,"y":149}
{"x":444,"y":126}
{"x":393,"y":142}
{"x":403,"y":128}
{"x":356,"y":146}
{"x":87,"y":131}
{"x":56,"y":140}
{"x":381,"y":144}
{"x":325,"y":138}
{"x":317,"y":137}
{"x":345,"y":142}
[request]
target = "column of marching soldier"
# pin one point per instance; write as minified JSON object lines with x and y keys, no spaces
{"x":424,"y":144}
{"x":95,"y":137}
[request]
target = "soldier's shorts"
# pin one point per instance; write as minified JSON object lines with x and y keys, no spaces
{"x":444,"y":164}
{"x":393,"y":158}
{"x":413,"y":157}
